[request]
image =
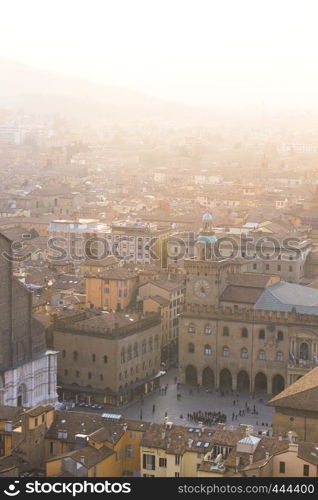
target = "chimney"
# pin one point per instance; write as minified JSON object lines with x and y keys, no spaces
{"x":163,"y":434}
{"x":290,"y":437}
{"x":251,"y":459}
{"x":267,"y":455}
{"x":8,"y":426}
{"x":249,"y":430}
{"x":237,"y":462}
{"x":82,"y":460}
{"x":201,"y":426}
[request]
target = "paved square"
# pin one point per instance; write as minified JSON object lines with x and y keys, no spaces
{"x":213,"y":401}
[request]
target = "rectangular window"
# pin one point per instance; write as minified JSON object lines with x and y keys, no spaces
{"x":282,"y":467}
{"x":149,"y":462}
{"x":106,"y":290}
{"x":162,"y":462}
{"x":177,"y":474}
{"x":177,"y":460}
{"x":129,"y":450}
{"x":52,"y":448}
{"x":306,"y":470}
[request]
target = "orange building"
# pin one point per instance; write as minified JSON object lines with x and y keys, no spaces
{"x":114,"y":289}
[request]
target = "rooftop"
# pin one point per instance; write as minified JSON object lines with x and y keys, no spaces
{"x":282,"y":296}
{"x":301,"y":395}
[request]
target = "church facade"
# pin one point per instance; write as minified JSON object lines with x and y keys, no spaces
{"x":28,"y":370}
{"x":238,"y":333}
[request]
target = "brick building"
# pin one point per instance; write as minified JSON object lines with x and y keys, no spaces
{"x":28,"y":368}
{"x":110,"y":358}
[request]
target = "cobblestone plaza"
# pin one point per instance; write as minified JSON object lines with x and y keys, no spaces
{"x":193,"y":399}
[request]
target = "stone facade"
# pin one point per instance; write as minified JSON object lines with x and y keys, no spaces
{"x":245,"y":350}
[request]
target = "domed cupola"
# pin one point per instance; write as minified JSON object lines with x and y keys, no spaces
{"x":206,"y":238}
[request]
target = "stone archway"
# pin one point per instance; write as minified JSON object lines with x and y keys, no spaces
{"x":243,"y":381}
{"x":260,"y":383}
{"x":191,"y":375}
{"x":225,"y":380}
{"x":278,"y":384}
{"x":208,"y":379}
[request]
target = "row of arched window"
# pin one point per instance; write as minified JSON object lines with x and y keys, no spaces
{"x":207,"y":329}
{"x":78,"y":374}
{"x":75,"y":356}
{"x":207,"y":351}
{"x":126,"y":354}
{"x":226,"y":332}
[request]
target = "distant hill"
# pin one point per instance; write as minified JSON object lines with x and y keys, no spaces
{"x":45,"y":93}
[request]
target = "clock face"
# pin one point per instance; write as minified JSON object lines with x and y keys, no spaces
{"x":201,"y":288}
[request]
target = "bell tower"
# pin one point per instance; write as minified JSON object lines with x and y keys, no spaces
{"x":204,"y":246}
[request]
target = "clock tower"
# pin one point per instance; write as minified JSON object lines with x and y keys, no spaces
{"x":206,"y":275}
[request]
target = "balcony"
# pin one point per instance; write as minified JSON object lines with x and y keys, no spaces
{"x":301,"y":366}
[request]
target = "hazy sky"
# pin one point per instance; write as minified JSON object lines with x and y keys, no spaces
{"x":260,"y":52}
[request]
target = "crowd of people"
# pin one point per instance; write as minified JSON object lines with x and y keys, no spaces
{"x":207,"y":417}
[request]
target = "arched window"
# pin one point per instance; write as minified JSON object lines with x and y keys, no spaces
{"x":261,"y":334}
{"x":75,"y":355}
{"x":279,"y":356}
{"x":123,"y":356}
{"x":191,"y":328}
{"x":207,"y":350}
{"x":129,"y":353}
{"x":150,"y":345}
{"x":225,"y":352}
{"x":156,"y":343}
{"x":261,"y":355}
{"x":22,"y":395}
{"x":304,"y":351}
{"x":105,"y":359}
{"x":244,"y":332}
{"x":135,"y":350}
{"x":144,"y":347}
{"x":226,"y":331}
{"x":93,"y":358}
{"x":280,"y":335}
{"x":244,"y":353}
{"x":190,"y":347}
{"x":207,"y":330}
